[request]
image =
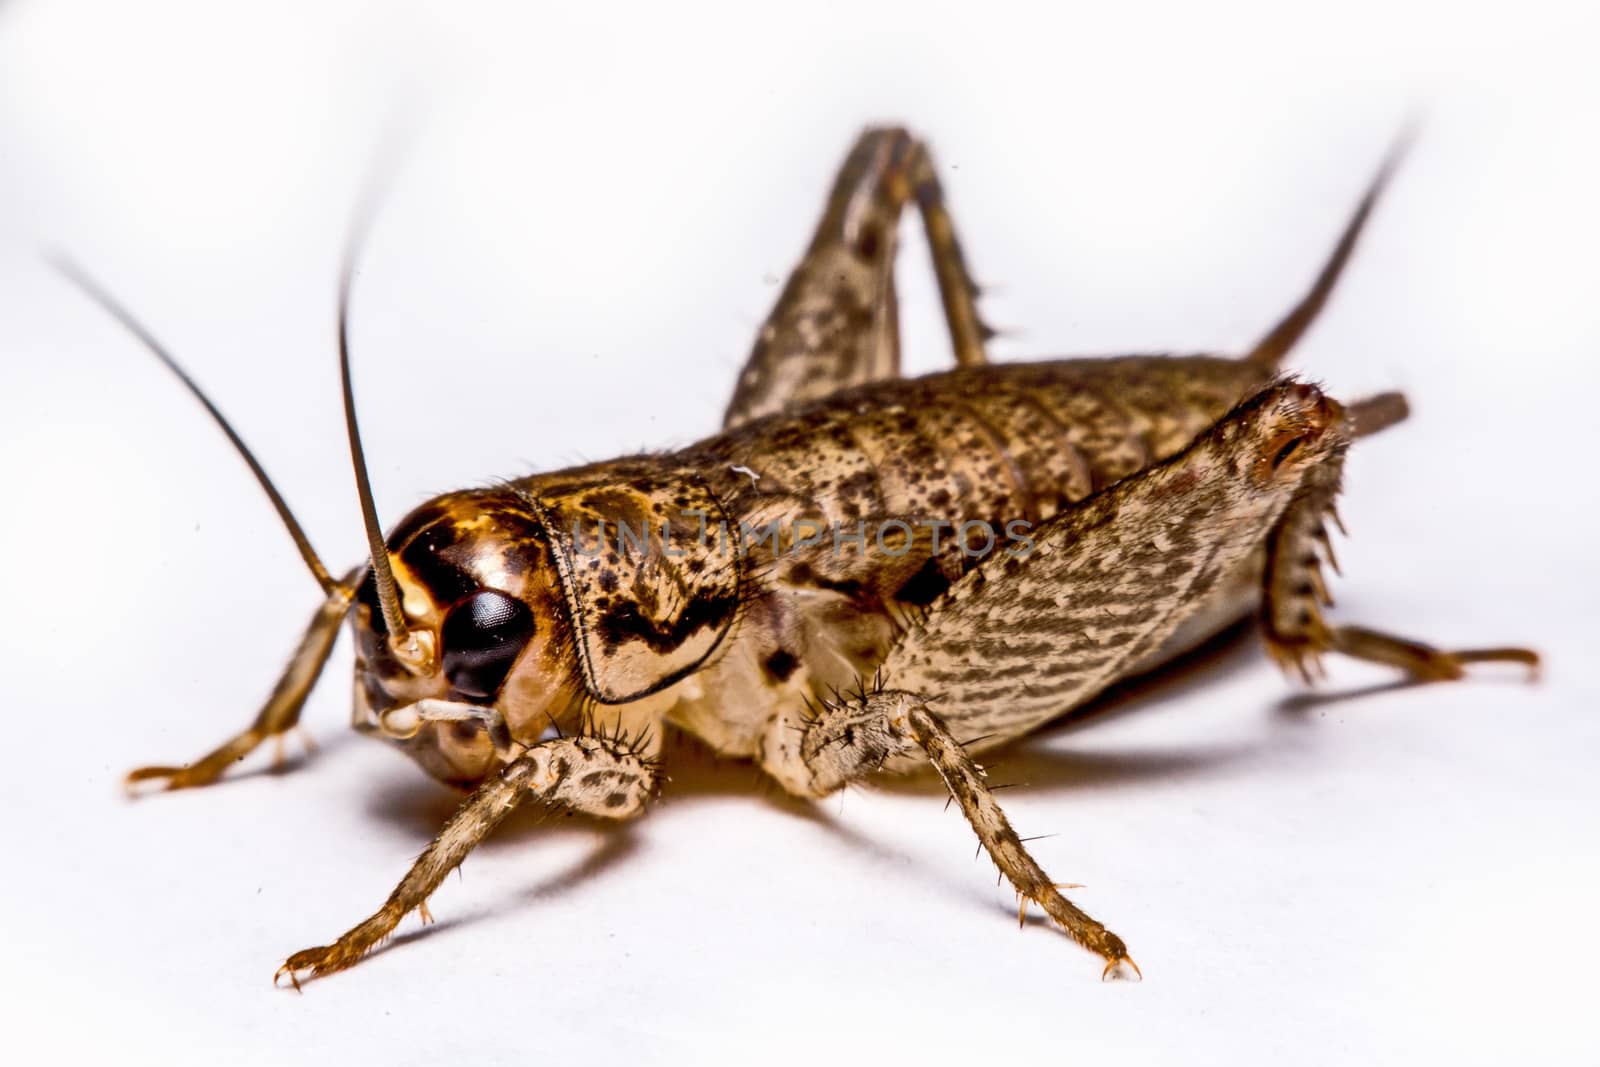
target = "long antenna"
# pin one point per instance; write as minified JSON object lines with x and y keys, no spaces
{"x":1271,"y":349}
{"x":73,"y":273}
{"x":400,"y":637}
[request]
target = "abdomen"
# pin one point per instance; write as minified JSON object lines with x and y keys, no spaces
{"x":995,"y":443}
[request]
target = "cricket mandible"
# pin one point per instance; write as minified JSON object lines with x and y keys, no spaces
{"x":860,"y":574}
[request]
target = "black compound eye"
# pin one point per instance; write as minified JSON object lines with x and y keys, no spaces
{"x":482,"y":636}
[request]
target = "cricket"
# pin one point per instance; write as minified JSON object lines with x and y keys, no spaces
{"x":859,"y":574}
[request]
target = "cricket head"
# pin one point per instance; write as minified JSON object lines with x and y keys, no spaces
{"x":484,"y":625}
{"x":518,"y":607}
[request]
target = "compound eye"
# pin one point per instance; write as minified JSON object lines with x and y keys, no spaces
{"x":482,"y":636}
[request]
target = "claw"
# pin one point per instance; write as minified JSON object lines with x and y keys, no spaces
{"x":1115,"y":969}
{"x":131,"y":782}
{"x":294,"y":978}
{"x":314,"y":962}
{"x":1525,"y":656}
{"x":176,"y":778}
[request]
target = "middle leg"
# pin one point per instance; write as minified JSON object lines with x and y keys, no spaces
{"x":1028,"y":634}
{"x":856,"y":735}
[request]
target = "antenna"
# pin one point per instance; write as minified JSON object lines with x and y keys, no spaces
{"x":73,"y":273}
{"x":1271,"y":349}
{"x":401,"y":640}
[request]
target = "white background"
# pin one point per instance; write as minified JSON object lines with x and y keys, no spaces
{"x":594,"y":219}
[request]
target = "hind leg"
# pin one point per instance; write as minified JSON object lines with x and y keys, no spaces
{"x":1295,"y":592}
{"x":836,"y":323}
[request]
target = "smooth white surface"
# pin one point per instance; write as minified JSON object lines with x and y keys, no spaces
{"x":594,"y":219}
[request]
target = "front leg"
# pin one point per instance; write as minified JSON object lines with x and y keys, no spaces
{"x":605,"y":777}
{"x":280,"y":714}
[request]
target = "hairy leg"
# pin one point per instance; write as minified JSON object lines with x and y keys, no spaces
{"x":281,"y":712}
{"x":853,"y":737}
{"x":596,"y":776}
{"x":1026,"y":635}
{"x":1295,"y":591}
{"x":836,"y":323}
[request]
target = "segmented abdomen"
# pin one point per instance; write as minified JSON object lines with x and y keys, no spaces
{"x":997,"y":443}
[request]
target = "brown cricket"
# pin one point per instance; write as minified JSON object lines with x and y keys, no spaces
{"x":861,"y":573}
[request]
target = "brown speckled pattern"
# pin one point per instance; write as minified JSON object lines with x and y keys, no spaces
{"x":1159,"y":498}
